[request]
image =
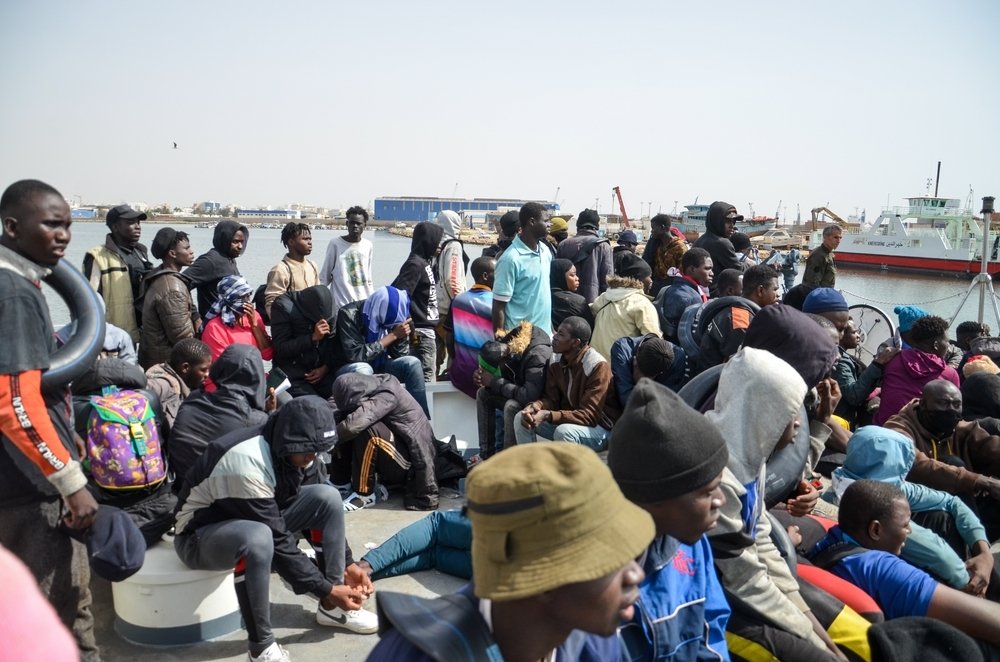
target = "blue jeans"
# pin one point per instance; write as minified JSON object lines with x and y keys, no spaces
{"x":407,"y":369}
{"x":596,"y":438}
{"x":441,"y":541}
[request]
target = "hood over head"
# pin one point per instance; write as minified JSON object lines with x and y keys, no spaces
{"x":875,"y":453}
{"x":557,"y":273}
{"x":349,"y":390}
{"x":921,"y":364}
{"x":758,"y":396}
{"x":223,"y":236}
{"x":426,"y":238}
{"x":449,"y":221}
{"x":715,"y":219}
{"x":794,"y":338}
{"x":239,"y":370}
{"x":304,"y":425}
{"x":981,"y":396}
{"x":315,"y":303}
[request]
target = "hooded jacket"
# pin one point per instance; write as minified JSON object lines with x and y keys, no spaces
{"x":522,"y":376}
{"x":753,"y":573}
{"x":977,"y":448}
{"x":876,"y":453}
{"x":904,"y":378}
{"x":293,"y":316}
{"x":671,"y":303}
{"x":363,"y":400}
{"x":238,"y":402}
{"x":267,"y":483}
{"x":351,"y":347}
{"x":715,"y":242}
{"x":452,"y":263}
{"x":593,"y":258}
{"x":417,"y":277}
{"x":624,"y":310}
{"x":168,"y":315}
{"x":211,"y":267}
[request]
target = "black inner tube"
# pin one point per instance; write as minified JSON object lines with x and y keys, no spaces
{"x":85,"y":306}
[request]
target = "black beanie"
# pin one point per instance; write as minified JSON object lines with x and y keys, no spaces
{"x":163,"y":242}
{"x":588,"y":218}
{"x":633,"y":266}
{"x":661,"y":448}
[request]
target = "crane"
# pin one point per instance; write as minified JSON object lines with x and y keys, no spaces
{"x":621,"y":205}
{"x":777,"y":212}
{"x":555,"y":198}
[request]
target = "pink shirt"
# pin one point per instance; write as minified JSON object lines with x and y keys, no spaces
{"x":218,"y":336}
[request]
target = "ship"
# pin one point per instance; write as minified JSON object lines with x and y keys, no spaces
{"x":929,"y":235}
{"x":692,"y":222}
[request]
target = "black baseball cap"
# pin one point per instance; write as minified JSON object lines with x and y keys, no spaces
{"x":123,"y":213}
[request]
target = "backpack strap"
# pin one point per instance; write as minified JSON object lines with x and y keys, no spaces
{"x":448,"y":628}
{"x":835,"y":553}
{"x":585,"y":250}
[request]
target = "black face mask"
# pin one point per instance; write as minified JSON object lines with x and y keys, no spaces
{"x":939,"y":423}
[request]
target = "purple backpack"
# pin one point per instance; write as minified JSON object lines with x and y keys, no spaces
{"x":123,"y":442}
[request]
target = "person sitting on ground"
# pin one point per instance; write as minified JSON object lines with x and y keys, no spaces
{"x":760,"y":285}
{"x":627,"y":242}
{"x":978,"y":363}
{"x":452,"y":263}
{"x":347,"y":267}
{"x":469,"y":324}
{"x":744,"y":249}
{"x":441,"y":541}
{"x":969,"y":330}
{"x":573,"y":406}
{"x":563,"y":580}
{"x":905,"y":376}
{"x":296,"y":271}
{"x":591,"y":254}
{"x":507,"y":228}
{"x":687,"y":289}
{"x":831,"y":304}
{"x":511,"y":374}
{"x":240,"y":400}
{"x":624,"y":310}
{"x":858,"y":381}
{"x":669,"y":460}
{"x":173,"y":381}
{"x":229,"y":241}
{"x":720,"y":223}
{"x":864,"y":549}
{"x":168,"y":312}
{"x":565,"y":300}
{"x":417,"y":278}
{"x":249,"y":523}
{"x":382,"y":429}
{"x":646,"y":356}
{"x":373,"y":336}
{"x":663,"y":252}
{"x":302,"y":335}
{"x":876,"y":453}
{"x":729,"y":283}
{"x":233,"y":320}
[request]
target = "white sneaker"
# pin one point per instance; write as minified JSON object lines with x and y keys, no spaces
{"x":356,"y":620}
{"x":273,"y":653}
{"x":357,"y":502}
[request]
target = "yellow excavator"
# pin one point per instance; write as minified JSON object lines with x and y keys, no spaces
{"x":833,"y":216}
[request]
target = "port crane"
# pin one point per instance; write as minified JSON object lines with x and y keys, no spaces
{"x":621,"y":205}
{"x":824,"y":210}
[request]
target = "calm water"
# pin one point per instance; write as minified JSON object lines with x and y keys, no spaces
{"x":939,"y":295}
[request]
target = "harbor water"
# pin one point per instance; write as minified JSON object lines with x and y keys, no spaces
{"x":940,"y":295}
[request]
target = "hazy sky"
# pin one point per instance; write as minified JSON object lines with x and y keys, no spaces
{"x":336,"y":103}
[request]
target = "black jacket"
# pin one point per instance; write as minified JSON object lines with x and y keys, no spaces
{"x":238,"y":402}
{"x":416,"y":276}
{"x":293,"y":316}
{"x":523,"y":375}
{"x":211,"y":267}
{"x":714,"y":241}
{"x":351,"y":346}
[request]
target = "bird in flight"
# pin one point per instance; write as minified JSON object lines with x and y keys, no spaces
{"x":175,"y":145}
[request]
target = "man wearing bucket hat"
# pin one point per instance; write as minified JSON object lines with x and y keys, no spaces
{"x":554,"y":544}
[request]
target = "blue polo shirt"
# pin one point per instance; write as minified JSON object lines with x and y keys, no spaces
{"x":522,"y":282}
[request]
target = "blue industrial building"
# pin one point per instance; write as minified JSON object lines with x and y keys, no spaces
{"x":416,"y":209}
{"x":83,"y":212}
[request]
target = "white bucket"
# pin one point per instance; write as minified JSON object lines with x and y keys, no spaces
{"x":168,"y":604}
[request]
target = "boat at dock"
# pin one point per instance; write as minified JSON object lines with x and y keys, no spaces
{"x":692,"y":222}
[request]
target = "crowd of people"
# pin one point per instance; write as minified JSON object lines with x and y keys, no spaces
{"x":736,"y":425}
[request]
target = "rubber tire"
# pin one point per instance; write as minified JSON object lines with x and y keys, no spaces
{"x":686,"y":329}
{"x":86,"y":307}
{"x":715,"y":306}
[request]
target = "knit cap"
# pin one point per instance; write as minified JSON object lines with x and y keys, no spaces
{"x":628,"y":237}
{"x":633,"y":266}
{"x":558,"y":224}
{"x":661,"y":448}
{"x":588,"y":218}
{"x":908,"y":315}
{"x":824,"y":300}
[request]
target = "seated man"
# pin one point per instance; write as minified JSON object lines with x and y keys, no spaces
{"x":646,"y":356}
{"x":239,"y":401}
{"x":373,"y":335}
{"x":173,"y":381}
{"x":468,"y":324}
{"x":301,"y":333}
{"x":864,"y":549}
{"x":576,"y":390}
{"x":554,"y":543}
{"x":668,"y":460}
{"x":688,"y":289}
{"x":511,"y":374}
{"x":624,"y":309}
{"x":249,"y":523}
{"x":381,"y":427}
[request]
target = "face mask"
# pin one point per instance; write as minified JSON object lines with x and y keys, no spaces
{"x":939,"y":423}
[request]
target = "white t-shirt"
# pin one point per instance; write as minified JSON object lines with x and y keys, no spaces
{"x":347,"y":271}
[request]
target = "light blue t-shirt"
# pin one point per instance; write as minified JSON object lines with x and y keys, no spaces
{"x":522,"y":282}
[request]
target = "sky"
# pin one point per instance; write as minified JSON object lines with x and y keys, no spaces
{"x":846,"y":104}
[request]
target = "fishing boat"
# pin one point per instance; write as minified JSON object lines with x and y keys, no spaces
{"x":930,"y":234}
{"x":692,"y":222}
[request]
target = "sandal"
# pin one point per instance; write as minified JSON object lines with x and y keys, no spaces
{"x":357,"y":502}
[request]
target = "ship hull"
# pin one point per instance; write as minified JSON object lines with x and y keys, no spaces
{"x":967,"y":268}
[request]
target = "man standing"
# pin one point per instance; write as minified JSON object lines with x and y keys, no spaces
{"x":452,"y":263}
{"x":117,"y":268}
{"x":41,"y":481}
{"x":228,"y":243}
{"x":720,"y":223}
{"x":295,"y":272}
{"x":347,"y":269}
{"x":820,"y":268}
{"x":627,"y":242}
{"x":663,"y":251}
{"x":590,"y":253}
{"x":521,"y":286}
{"x":167,"y":308}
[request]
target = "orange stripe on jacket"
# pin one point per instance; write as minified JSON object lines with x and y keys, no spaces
{"x":24,"y":419}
